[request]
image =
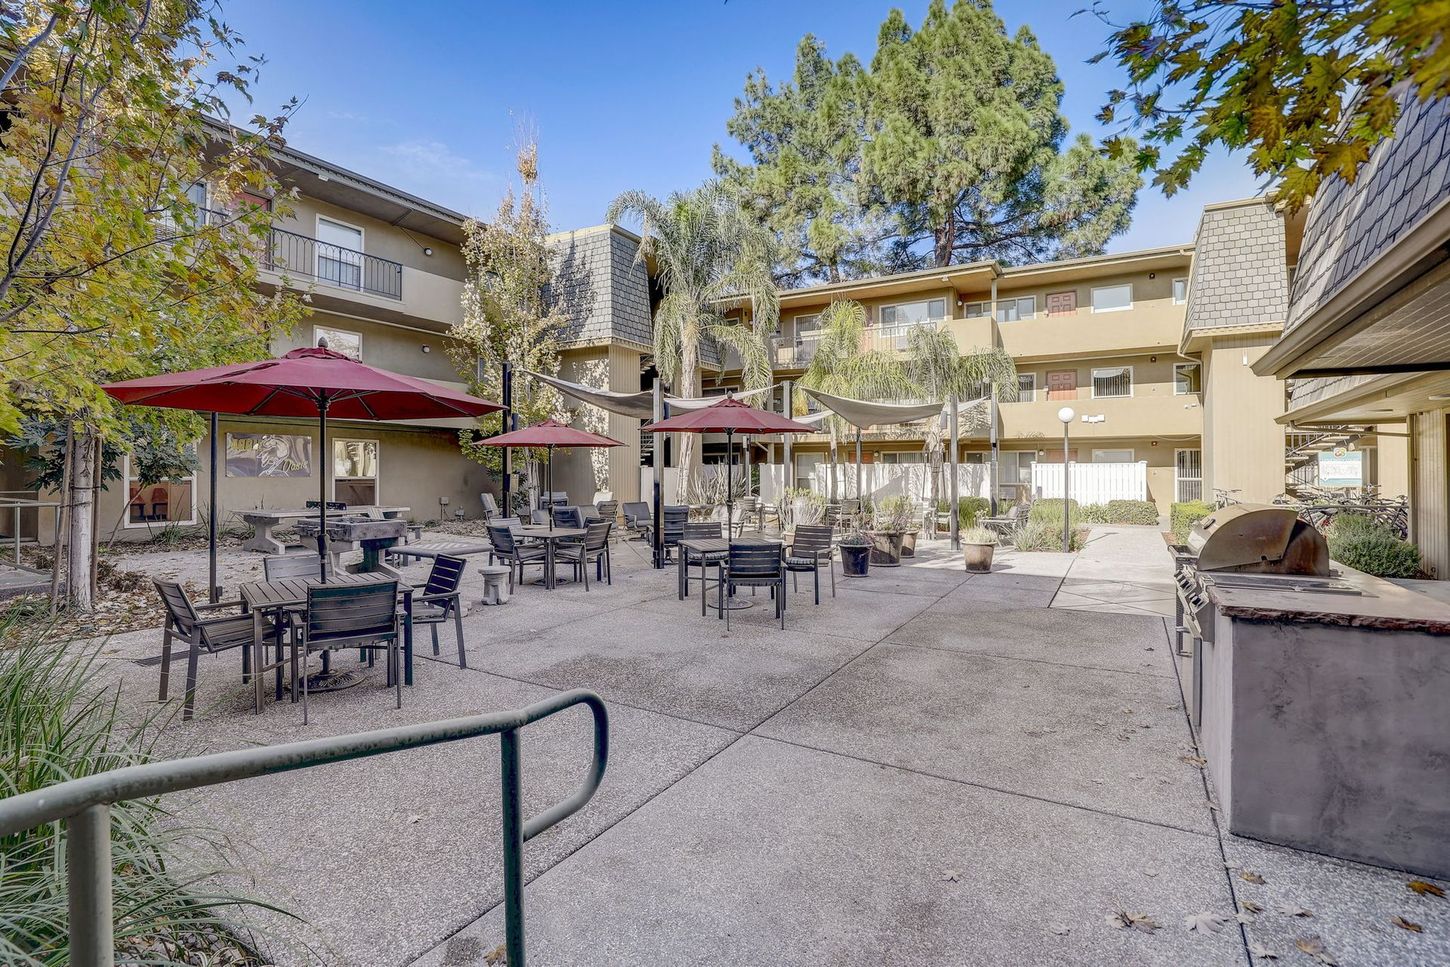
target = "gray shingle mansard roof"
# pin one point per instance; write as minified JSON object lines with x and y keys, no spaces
{"x":1349,"y":226}
{"x":601,"y":286}
{"x":1239,"y":278}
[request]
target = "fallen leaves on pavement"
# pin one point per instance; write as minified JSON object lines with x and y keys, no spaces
{"x":1425,"y":889}
{"x":1249,"y":876}
{"x":1292,"y":910}
{"x":1314,"y":947}
{"x":1262,"y":952}
{"x":1409,"y":925}
{"x":1205,"y":922}
{"x":1128,"y":919}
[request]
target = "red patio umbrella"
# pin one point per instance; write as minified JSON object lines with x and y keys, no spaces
{"x":549,"y":434}
{"x":305,"y":382}
{"x":729,"y":416}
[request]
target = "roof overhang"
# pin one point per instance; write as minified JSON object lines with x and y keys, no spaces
{"x":1389,"y":398}
{"x":1197,"y":340}
{"x":1091,"y":267}
{"x":1393,"y":316}
{"x":971,"y":277}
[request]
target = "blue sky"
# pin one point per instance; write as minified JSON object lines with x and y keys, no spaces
{"x":430,"y":95}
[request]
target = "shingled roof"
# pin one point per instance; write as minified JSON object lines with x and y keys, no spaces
{"x":1239,"y":277}
{"x":1350,"y":226}
{"x":601,"y":286}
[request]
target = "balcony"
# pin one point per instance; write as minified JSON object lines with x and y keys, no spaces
{"x":1149,"y":414}
{"x":1148,"y":324}
{"x":301,"y":256}
{"x":796,"y":351}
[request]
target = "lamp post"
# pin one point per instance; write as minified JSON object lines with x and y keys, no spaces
{"x":1065,"y":415}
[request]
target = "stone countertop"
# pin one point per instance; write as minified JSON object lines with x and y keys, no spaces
{"x":1381,"y":604}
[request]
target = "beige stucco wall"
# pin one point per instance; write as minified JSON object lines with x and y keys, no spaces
{"x":1430,"y":488}
{"x":1392,"y":460}
{"x":394,"y":348}
{"x":1243,"y":448}
{"x":616,"y":469}
{"x":415,"y":468}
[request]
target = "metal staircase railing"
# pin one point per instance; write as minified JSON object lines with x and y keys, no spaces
{"x":85,"y":805}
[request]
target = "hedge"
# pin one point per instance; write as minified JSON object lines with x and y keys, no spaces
{"x":1367,"y":545}
{"x":1044,"y":534}
{"x":1113,"y":512}
{"x":1184,"y":515}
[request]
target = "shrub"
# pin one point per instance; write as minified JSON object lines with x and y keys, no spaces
{"x":1046,"y":535}
{"x":1183,"y":516}
{"x":969,"y":509}
{"x":1367,"y":545}
{"x":58,"y":722}
{"x":978,"y":535}
{"x":1132,"y":512}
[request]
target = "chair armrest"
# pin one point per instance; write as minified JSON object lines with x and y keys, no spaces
{"x":430,"y":598}
{"x":219,"y":605}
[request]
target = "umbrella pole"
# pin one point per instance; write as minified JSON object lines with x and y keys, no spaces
{"x":549,"y":492}
{"x":322,"y":479}
{"x":214,"y":593}
{"x":729,"y":481}
{"x":858,"y":469}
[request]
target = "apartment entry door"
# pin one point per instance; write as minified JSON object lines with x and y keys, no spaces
{"x":1062,"y":384}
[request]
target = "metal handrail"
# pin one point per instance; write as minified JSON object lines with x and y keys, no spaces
{"x":85,"y":805}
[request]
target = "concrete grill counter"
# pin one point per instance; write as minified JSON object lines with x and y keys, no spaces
{"x":1324,"y":714}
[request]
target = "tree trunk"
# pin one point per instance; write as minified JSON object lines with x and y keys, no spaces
{"x":944,"y":238}
{"x":62,"y":523}
{"x":81,"y":500}
{"x":687,"y":459}
{"x":832,"y":456}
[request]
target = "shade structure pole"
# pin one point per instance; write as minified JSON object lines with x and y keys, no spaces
{"x":996,"y":450}
{"x":549,"y":488}
{"x":787,"y":476}
{"x":322,"y":484}
{"x":729,"y":483}
{"x":658,"y":465}
{"x":862,"y":507}
{"x":214,"y":593}
{"x":507,"y":423}
{"x":954,"y":520}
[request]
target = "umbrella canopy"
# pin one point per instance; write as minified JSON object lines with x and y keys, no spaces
{"x":729,"y":416}
{"x":297,"y":384}
{"x":550,"y":433}
{"x":305,"y":382}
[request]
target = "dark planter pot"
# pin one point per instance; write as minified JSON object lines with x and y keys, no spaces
{"x":886,"y":548}
{"x":978,"y":557}
{"x":855,"y":560}
{"x":908,"y":544}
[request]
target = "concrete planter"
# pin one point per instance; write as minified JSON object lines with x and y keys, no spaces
{"x":886,"y":548}
{"x":908,"y":544}
{"x":978,"y":557}
{"x":855,"y":560}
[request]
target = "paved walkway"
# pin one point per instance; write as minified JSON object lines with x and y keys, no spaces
{"x":931,"y":768}
{"x":1122,"y":570}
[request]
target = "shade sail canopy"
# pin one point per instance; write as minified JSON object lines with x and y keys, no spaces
{"x":865,"y":413}
{"x":637,"y":405}
{"x":700,"y":402}
{"x":550,"y":433}
{"x":296,"y":385}
{"x":729,"y":415}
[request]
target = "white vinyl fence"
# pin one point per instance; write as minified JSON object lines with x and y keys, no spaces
{"x":880,"y":480}
{"x":1093,"y":483}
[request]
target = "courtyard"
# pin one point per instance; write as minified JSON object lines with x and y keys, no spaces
{"x":929,"y":768}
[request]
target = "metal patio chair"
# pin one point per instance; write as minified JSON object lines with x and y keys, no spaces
{"x":636,"y":517}
{"x":700,"y":530}
{"x":507,"y":548}
{"x":755,"y":566}
{"x":814,"y":546}
{"x":568,"y":516}
{"x":281,"y":567}
{"x":441,"y":600}
{"x":361,"y":616}
{"x":184,"y":622}
{"x":592,"y":549}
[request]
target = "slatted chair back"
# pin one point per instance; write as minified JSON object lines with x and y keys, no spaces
{"x":501,"y":536}
{"x":597,"y":538}
{"x":636,"y":513}
{"x":179,"y":611}
{"x":490,"y":507}
{"x":344,"y":613}
{"x":568,"y":516}
{"x":538,"y":517}
{"x":697,"y":530}
{"x":754,"y":563}
{"x":608,"y":509}
{"x":281,"y":567}
{"x":445,"y":575}
{"x":675,"y":519}
{"x":810,"y":538}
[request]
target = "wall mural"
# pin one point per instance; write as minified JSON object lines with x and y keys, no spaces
{"x":269,"y":455}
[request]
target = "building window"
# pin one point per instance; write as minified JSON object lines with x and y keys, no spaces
{"x":1180,"y":291}
{"x":807,"y":323}
{"x":1187,"y":475}
{"x":1113,"y":456}
{"x":805,"y":470}
{"x":974,"y":310}
{"x":339,"y":340}
{"x":166,"y":502}
{"x":1026,"y":387}
{"x":1113,"y":298}
{"x":901,"y":456}
{"x":1016,"y":468}
{"x":1187,"y":379}
{"x":1013,"y":310}
{"x":914,"y":313}
{"x":1112,"y":382}
{"x":355,"y":472}
{"x":339,"y":253}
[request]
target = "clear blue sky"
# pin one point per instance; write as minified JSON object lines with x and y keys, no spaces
{"x":429,"y":95}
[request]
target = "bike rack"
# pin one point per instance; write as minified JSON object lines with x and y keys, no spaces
{"x":85,"y":805}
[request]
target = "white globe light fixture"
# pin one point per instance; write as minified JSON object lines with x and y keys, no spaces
{"x":1065,"y":415}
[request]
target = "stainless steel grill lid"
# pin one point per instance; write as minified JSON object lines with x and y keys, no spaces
{"x":1260,"y":538}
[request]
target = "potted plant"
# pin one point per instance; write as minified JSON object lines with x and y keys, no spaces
{"x":913,"y":528}
{"x":891,"y":520}
{"x":855,"y":553}
{"x":977,"y":546}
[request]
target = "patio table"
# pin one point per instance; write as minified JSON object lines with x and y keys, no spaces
{"x":550,"y":537}
{"x":261,"y":598}
{"x":702,"y":546}
{"x":438,"y":548}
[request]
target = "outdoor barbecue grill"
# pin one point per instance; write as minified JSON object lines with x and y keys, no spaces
{"x":1242,"y":545}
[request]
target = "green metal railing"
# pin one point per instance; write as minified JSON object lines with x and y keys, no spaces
{"x":85,"y":805}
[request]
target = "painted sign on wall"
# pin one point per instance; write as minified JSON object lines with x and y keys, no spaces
{"x":1341,"y":468}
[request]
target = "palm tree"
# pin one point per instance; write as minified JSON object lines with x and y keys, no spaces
{"x":710,"y":256}
{"x":842,"y":366}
